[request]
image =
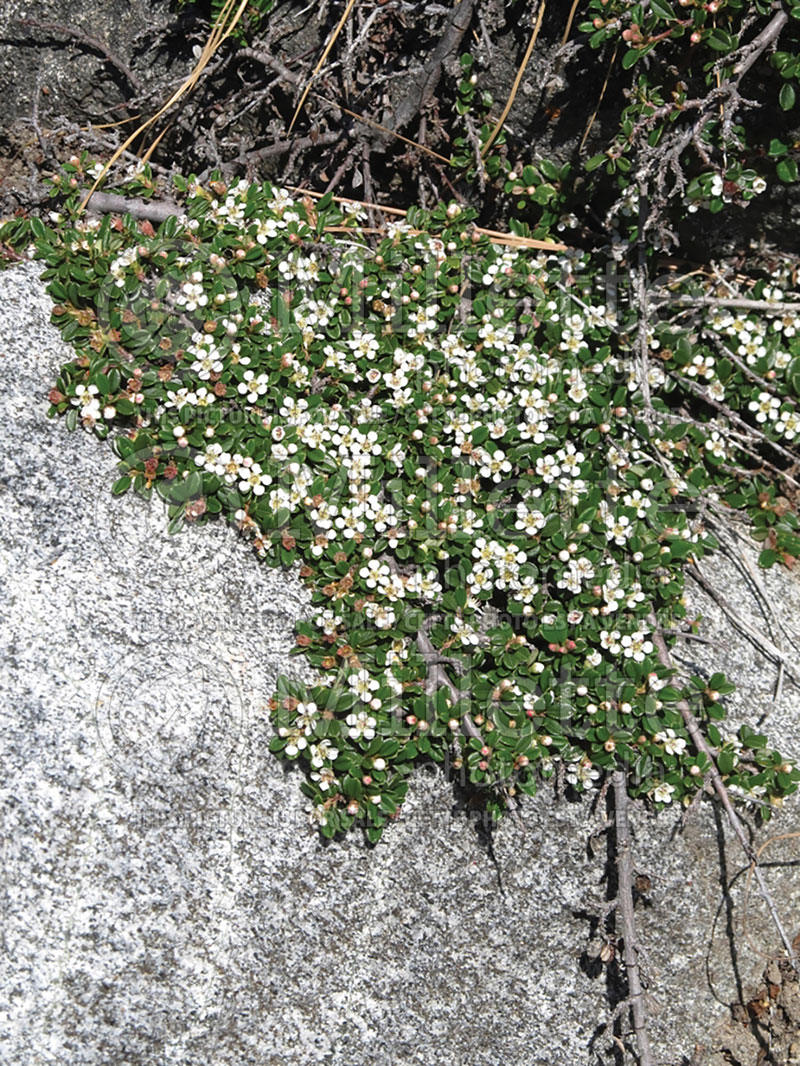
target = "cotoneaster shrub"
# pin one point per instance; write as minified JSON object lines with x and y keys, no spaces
{"x":449,"y":437}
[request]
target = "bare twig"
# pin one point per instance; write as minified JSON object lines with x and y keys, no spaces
{"x":754,"y":433}
{"x":159,"y":210}
{"x":642,"y":292}
{"x":420,"y":92}
{"x":439,"y":678}
{"x":700,"y":743}
{"x":383,"y":129}
{"x":687,"y":636}
{"x":223,"y":27}
{"x":631,"y":949}
{"x":664,"y":160}
{"x":110,"y":203}
{"x":475,"y":141}
{"x":88,"y":42}
{"x":280,"y":147}
{"x":741,"y":302}
{"x":260,"y":56}
{"x":759,"y":44}
{"x":742,"y":365}
{"x":757,"y":639}
{"x":745,"y":567}
{"x":570,"y":19}
{"x":723,"y":517}
{"x":593,"y":116}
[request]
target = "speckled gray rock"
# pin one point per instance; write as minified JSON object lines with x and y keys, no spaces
{"x":166,"y":901}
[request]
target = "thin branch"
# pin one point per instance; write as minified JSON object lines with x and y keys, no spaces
{"x":687,"y":636}
{"x":260,"y":56}
{"x":570,"y":19}
{"x":162,"y":209}
{"x":110,"y":203}
{"x":636,"y":994}
{"x":439,"y":678}
{"x":701,"y":744}
{"x":723,"y":519}
{"x":279,"y":147}
{"x":641,"y":289}
{"x":223,"y":27}
{"x":383,"y":129}
{"x":663,"y":160}
{"x":729,"y":301}
{"x":761,"y":642}
{"x":698,"y":390}
{"x":742,"y":365}
{"x":89,"y":42}
{"x":770,"y":33}
{"x":593,"y":116}
{"x":422,"y":89}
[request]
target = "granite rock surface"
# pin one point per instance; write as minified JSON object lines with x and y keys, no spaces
{"x":166,"y":902}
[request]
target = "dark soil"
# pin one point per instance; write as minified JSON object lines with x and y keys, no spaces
{"x":64,"y":66}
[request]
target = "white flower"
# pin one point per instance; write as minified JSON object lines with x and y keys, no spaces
{"x":322,"y":753}
{"x":253,"y":386}
{"x":252,"y":478}
{"x":295,"y":740}
{"x":363,"y":685}
{"x":362,"y":726}
{"x":582,"y":773}
{"x":635,"y":646}
{"x":673,"y":745}
{"x":306,"y":714}
{"x":324,"y":778}
{"x":663,"y":793}
{"x":465,"y":632}
{"x":318,"y":815}
{"x":765,"y":407}
{"x":610,"y":641}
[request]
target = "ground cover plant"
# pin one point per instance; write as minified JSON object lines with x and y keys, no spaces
{"x":494,"y":458}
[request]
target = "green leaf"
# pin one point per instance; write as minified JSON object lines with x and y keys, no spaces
{"x":721,"y":41}
{"x":787,"y":171}
{"x":787,"y":97}
{"x":554,"y":634}
{"x":793,"y":377}
{"x":663,"y":9}
{"x":725,"y":762}
{"x":630,"y":58}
